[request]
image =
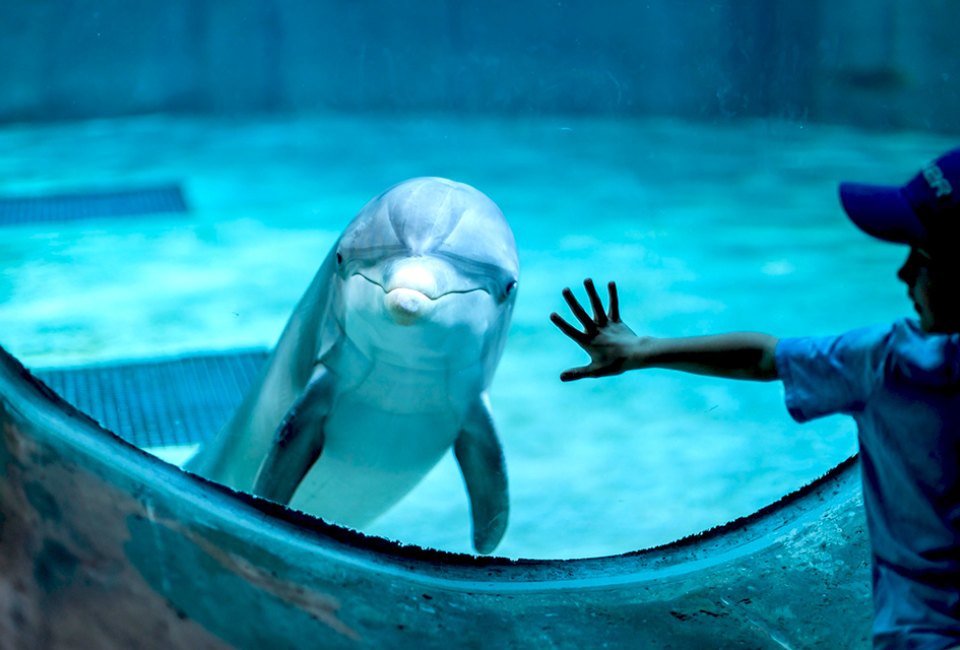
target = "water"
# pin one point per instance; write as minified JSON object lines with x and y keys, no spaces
{"x":705,"y":228}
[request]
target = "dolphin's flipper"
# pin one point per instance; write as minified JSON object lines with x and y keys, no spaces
{"x":481,"y":461}
{"x":298,"y":442}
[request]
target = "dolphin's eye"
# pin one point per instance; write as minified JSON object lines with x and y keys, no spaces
{"x":339,"y":259}
{"x":511,"y":287}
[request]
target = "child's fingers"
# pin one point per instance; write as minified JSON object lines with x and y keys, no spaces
{"x":591,"y":370}
{"x":574,"y":374}
{"x":569,"y":330}
{"x":614,"y":302}
{"x":598,"y":314}
{"x":580,"y":313}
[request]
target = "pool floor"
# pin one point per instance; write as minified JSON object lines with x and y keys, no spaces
{"x":705,"y":227}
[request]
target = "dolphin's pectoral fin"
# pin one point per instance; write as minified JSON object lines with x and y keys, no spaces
{"x":484,"y":471}
{"x":297,"y":443}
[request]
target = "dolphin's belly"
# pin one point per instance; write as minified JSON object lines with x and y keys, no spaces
{"x":372,"y":457}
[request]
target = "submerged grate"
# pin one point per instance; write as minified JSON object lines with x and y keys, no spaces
{"x":160,"y":403}
{"x":90,"y":205}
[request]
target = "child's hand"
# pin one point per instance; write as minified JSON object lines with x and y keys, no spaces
{"x":605,"y":338}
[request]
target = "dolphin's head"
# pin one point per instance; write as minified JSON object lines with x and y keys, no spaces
{"x":428,"y":276}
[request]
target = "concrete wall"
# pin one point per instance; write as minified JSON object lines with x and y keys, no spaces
{"x":880,"y":63}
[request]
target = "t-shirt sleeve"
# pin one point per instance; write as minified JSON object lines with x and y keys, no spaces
{"x":831,"y":374}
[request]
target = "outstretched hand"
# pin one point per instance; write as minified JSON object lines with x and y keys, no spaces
{"x":605,"y":338}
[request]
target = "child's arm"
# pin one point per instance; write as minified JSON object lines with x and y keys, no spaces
{"x":614,"y":348}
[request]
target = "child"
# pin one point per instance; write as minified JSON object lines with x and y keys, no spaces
{"x":900,"y":382}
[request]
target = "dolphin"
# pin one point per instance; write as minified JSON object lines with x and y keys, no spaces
{"x":384,"y":365}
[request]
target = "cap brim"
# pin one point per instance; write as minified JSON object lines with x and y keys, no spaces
{"x":883,"y":212}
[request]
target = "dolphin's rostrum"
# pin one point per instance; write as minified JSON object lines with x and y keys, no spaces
{"x":384,"y":365}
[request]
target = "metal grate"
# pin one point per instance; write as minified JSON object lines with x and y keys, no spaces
{"x":160,"y":403}
{"x":90,"y":205}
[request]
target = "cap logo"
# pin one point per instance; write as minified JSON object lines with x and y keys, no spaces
{"x":935,"y":178}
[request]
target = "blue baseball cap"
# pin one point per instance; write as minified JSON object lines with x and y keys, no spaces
{"x":919,"y":213}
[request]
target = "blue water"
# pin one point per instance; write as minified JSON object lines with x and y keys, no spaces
{"x":705,"y":228}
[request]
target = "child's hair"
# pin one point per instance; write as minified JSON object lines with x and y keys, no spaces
{"x":944,"y":251}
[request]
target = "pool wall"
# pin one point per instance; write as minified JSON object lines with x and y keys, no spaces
{"x":104,"y":546}
{"x":883,"y":64}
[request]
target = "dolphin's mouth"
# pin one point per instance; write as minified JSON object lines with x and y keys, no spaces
{"x":429,"y":295}
{"x":407,"y":306}
{"x":412,"y":303}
